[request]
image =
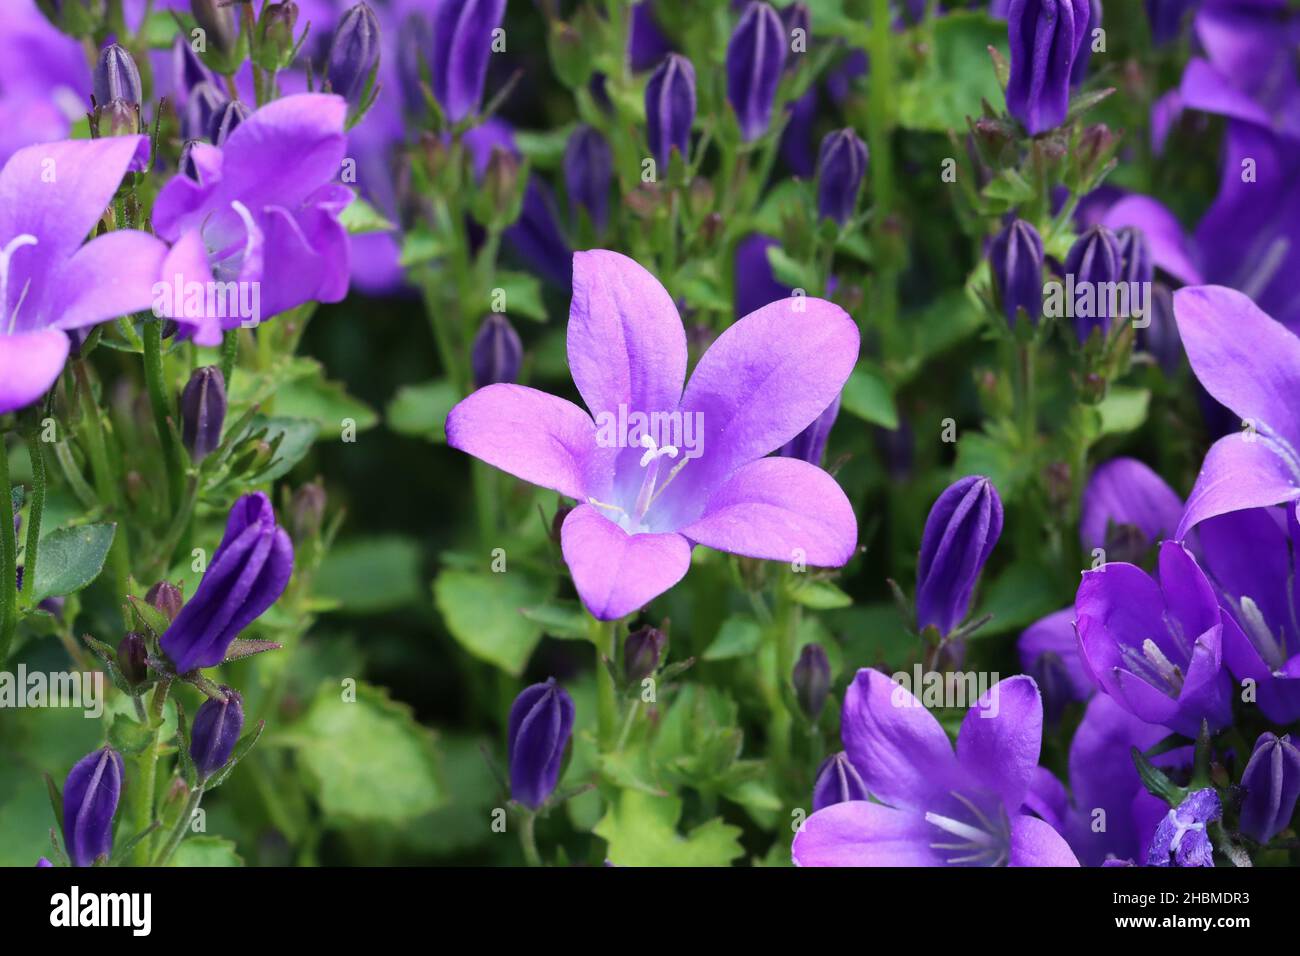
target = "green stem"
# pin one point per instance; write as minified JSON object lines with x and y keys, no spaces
{"x":8,"y":559}
{"x":142,"y":794}
{"x":782,"y":635}
{"x":628,"y":721}
{"x":1028,"y":413}
{"x":528,"y":838}
{"x":879,"y":125}
{"x":106,"y":489}
{"x":32,"y":435}
{"x":486,"y":502}
{"x":155,"y":380}
{"x":229,"y":352}
{"x":182,"y":824}
{"x":602,"y":636}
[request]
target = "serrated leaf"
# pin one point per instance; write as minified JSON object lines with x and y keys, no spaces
{"x":482,"y":612}
{"x":641,"y":830}
{"x":368,"y":760}
{"x":71,"y":558}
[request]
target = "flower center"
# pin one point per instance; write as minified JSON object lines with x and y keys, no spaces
{"x":981,"y":841}
{"x":1181,"y":829}
{"x":6,"y":255}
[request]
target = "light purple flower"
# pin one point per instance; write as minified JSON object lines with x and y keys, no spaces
{"x":937,"y":807}
{"x":51,"y":197}
{"x":1250,"y":364}
{"x":44,"y":79}
{"x":1125,"y":494}
{"x":1157,"y":646}
{"x":264,"y":210}
{"x":644,"y":503}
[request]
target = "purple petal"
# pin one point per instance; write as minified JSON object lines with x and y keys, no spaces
{"x":859,"y":833}
{"x":1124,"y":491}
{"x":1048,"y":799}
{"x":1237,"y":474}
{"x":534,"y":436}
{"x":462,"y":38}
{"x":1054,"y":635}
{"x":1035,"y":843}
{"x":109,"y":276}
{"x":1205,"y":88}
{"x":29,"y":364}
{"x":186,"y":262}
{"x":763,"y":381}
{"x":1165,"y":238}
{"x":614,"y":572}
{"x":1000,"y":739}
{"x":899,"y":748}
{"x":779,"y":509}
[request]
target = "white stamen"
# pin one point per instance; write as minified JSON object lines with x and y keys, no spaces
{"x":653,"y":451}
{"x":6,"y":254}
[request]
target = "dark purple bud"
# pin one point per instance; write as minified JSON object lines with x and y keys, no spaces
{"x":1084,"y":48}
{"x":307,"y":511}
{"x":670,"y":108}
{"x":1160,"y":338}
{"x":755,"y":283}
{"x":166,"y":597}
{"x":755,"y":58}
{"x":1272,"y":784}
{"x":188,"y":71}
{"x":641,"y":653}
{"x":588,"y":171}
{"x":841,"y":166}
{"x":812,"y":680}
{"x":1016,"y":261}
{"x":1045,"y":37}
{"x":541,"y":721}
{"x":90,"y":796}
{"x":201,"y":110}
{"x":462,"y":43}
{"x":226,"y":120}
{"x":963,"y":526}
{"x":797,"y":23}
{"x":1182,"y":837}
{"x":646,"y":44}
{"x":810,"y":444}
{"x":216,"y":731}
{"x":116,"y":76}
{"x":249,"y":570}
{"x":496,"y":353}
{"x":414,"y":47}
{"x":354,"y":53}
{"x":186,"y":166}
{"x":203,"y":411}
{"x":1091,"y":268}
{"x":1135,"y":256}
{"x":217,"y":20}
{"x":131,"y":658}
{"x":837,"y":781}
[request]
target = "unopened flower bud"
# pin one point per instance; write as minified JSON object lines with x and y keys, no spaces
{"x":216,"y":731}
{"x":90,"y":796}
{"x":217,"y":20}
{"x":203,"y":411}
{"x":354,"y":53}
{"x":307,"y":511}
{"x":841,"y":167}
{"x":1046,"y":38}
{"x":1016,"y":261}
{"x":1272,"y":784}
{"x":641,"y":653}
{"x":963,"y":526}
{"x":670,"y":109}
{"x":756,"y":56}
{"x":131,"y":658}
{"x":812,"y":680}
{"x":166,"y":597}
{"x":541,"y":722}
{"x":116,"y":76}
{"x":497,"y":352}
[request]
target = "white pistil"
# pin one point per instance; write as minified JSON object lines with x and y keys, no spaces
{"x":6,"y":254}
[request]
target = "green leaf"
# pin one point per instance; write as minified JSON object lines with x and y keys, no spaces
{"x":641,"y":830}
{"x":296,"y":436}
{"x":956,"y":75}
{"x":359,"y":217}
{"x":369,"y":760}
{"x":867,"y":396}
{"x":1019,"y":596}
{"x":939,"y":326}
{"x":564,"y":619}
{"x":995,"y":454}
{"x":369,"y":575}
{"x":523,"y":295}
{"x":1124,"y":409}
{"x":421,"y":410}
{"x":818,"y":594}
{"x":482,"y":611}
{"x":70,"y":559}
{"x":325,"y":403}
{"x":206,"y":851}
{"x":128,"y":736}
{"x":738,"y":637}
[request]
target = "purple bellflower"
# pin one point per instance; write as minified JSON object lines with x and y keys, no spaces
{"x":1046,"y":37}
{"x":1182,"y":839}
{"x":755,"y":59}
{"x":837,"y":781}
{"x":1272,"y":784}
{"x":1157,"y":646}
{"x":1095,"y":258}
{"x":841,"y":166}
{"x":43,"y":79}
{"x":964,"y":524}
{"x":263,"y":212}
{"x":1251,"y":365}
{"x":670,"y":108}
{"x":657,"y":470}
{"x":462,"y":45}
{"x":217,"y":724}
{"x":588,"y":172}
{"x":1127,"y":507}
{"x":1016,"y":261}
{"x":541,"y":722}
{"x":1251,"y":558}
{"x":246,"y":575}
{"x":937,"y":807}
{"x":90,"y":796}
{"x":51,"y":198}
